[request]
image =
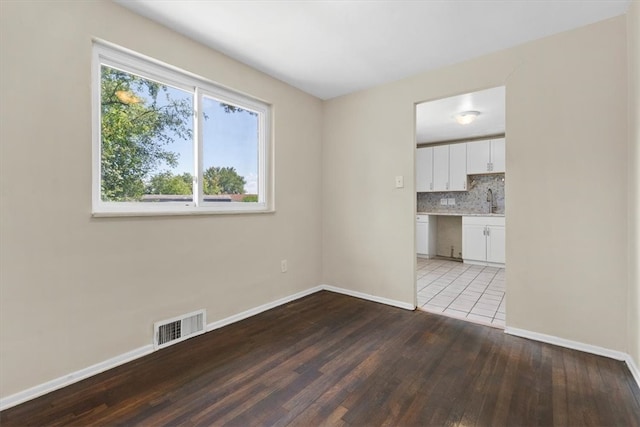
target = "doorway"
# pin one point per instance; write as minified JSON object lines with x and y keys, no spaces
{"x":460,"y":218}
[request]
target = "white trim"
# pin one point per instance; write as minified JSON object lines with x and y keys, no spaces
{"x":74,"y":377}
{"x":124,"y":214}
{"x":58,"y":383}
{"x":575,"y":345}
{"x":484,"y":263}
{"x":381,"y":300}
{"x":116,"y":57}
{"x":631,"y":364}
{"x":96,"y":145}
{"x":257,"y":310}
{"x":264,"y":307}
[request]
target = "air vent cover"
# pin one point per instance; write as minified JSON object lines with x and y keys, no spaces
{"x":178,"y":329}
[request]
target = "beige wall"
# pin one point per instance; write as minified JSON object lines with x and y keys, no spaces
{"x":633,"y":38}
{"x":77,"y":290}
{"x":566,"y":230}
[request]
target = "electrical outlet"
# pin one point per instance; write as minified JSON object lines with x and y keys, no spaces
{"x":451,"y":201}
{"x":283,"y":266}
{"x":443,"y":202}
{"x":399,"y":181}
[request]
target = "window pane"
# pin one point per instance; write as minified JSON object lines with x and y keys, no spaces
{"x":230,"y":153}
{"x":146,"y":140}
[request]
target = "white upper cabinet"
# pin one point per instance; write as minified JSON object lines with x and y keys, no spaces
{"x":478,"y":157}
{"x":424,"y":169}
{"x":441,"y":168}
{"x":498,"y":155}
{"x":486,"y":156}
{"x":448,"y":168}
{"x":457,"y":167}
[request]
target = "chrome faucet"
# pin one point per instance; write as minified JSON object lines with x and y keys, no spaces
{"x":492,"y":202}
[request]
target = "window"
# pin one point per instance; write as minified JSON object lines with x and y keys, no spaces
{"x":167,"y":141}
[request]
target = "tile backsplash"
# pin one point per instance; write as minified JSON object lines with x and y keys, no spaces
{"x":472,"y":201}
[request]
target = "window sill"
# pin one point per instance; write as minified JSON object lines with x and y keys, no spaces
{"x":111,"y":214}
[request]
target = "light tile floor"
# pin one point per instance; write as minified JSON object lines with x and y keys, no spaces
{"x":465,"y":291}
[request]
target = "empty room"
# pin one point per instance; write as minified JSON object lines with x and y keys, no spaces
{"x":208,"y":213}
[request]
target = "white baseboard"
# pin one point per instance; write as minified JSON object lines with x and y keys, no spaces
{"x":368,"y":297}
{"x":633,"y":368}
{"x":257,"y":310}
{"x":58,"y":383}
{"x":39,"y":390}
{"x":74,"y":377}
{"x":484,"y":263}
{"x":575,"y":345}
{"x":264,"y":307}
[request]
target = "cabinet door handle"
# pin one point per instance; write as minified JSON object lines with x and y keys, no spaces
{"x":447,"y":185}
{"x":431,"y":186}
{"x":488,"y":231}
{"x":484,"y":231}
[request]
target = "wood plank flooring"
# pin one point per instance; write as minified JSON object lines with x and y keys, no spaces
{"x":330,"y":359}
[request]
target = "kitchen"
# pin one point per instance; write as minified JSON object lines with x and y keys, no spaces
{"x":460,"y":221}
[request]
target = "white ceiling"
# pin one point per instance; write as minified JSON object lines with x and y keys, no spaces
{"x":435,"y":120}
{"x":331,"y":47}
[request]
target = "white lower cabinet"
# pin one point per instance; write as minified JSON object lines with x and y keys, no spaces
{"x":474,"y":242}
{"x":426,"y":226}
{"x":496,"y":244}
{"x":483,"y":240}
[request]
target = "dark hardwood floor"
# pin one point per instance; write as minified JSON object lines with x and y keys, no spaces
{"x":329,"y":359}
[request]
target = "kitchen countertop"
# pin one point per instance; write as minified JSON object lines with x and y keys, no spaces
{"x":461,"y":214}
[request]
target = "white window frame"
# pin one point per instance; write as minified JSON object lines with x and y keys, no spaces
{"x":113,"y":56}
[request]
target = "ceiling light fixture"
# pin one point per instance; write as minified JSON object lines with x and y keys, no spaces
{"x":466,"y":117}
